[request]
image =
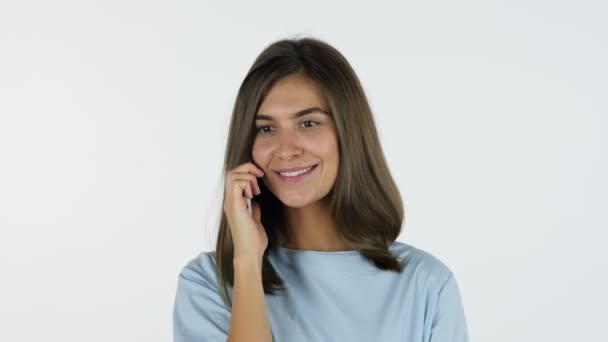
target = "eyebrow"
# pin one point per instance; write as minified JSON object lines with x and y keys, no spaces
{"x":303,"y":112}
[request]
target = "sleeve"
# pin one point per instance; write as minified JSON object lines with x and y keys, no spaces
{"x":449,"y":322}
{"x":199,"y":313}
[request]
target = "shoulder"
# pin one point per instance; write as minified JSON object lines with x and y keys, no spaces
{"x":199,"y":312}
{"x":201,"y":270}
{"x":422,"y":265}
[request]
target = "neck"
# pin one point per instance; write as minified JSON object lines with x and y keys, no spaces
{"x":312,"y":228}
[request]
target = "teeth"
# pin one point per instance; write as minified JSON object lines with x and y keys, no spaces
{"x":296,"y":173}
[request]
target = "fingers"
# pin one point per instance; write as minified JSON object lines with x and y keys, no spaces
{"x":250,"y":168}
{"x":247,"y":171}
{"x":242,"y":181}
{"x":242,"y":188}
{"x":253,"y":181}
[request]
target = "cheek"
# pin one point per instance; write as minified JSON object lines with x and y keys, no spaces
{"x":329,"y":148}
{"x":261,"y":154}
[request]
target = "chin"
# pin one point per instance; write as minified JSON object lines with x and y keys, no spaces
{"x":295,"y":204}
{"x":295,"y":201}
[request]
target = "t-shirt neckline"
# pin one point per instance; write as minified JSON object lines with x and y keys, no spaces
{"x":302,"y":252}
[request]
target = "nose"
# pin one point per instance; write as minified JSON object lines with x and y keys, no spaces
{"x":288,"y":144}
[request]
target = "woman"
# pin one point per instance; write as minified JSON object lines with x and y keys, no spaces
{"x":317,"y":260}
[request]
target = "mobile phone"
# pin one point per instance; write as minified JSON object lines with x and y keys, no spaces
{"x":249,"y":207}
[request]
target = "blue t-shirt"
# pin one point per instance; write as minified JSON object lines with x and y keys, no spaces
{"x":332,"y":296}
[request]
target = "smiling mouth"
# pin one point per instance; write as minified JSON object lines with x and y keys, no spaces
{"x":296,"y":172}
{"x":293,"y":177}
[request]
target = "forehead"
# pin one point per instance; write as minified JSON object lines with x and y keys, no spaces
{"x":291,"y":94}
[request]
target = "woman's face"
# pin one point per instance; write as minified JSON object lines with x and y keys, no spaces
{"x":284,"y":140}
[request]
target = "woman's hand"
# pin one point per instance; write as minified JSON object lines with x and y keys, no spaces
{"x":248,"y":234}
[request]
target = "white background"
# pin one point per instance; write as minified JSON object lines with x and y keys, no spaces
{"x":114,"y":118}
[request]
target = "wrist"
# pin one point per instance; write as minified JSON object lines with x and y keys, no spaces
{"x":241,"y":262}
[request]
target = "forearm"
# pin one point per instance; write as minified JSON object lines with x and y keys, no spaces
{"x":249,"y":321}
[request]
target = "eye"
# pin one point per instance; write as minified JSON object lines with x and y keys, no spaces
{"x":261,"y":128}
{"x":315,"y":123}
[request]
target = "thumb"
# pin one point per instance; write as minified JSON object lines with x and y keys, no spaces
{"x":256,"y":211}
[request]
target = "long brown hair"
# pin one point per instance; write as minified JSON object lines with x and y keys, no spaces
{"x":366,"y":204}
